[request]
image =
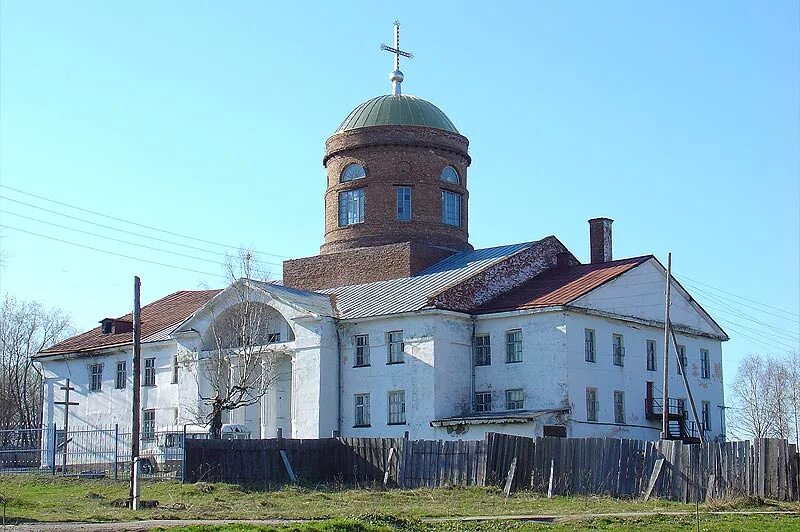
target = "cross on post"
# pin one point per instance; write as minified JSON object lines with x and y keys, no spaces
{"x":396,"y":77}
{"x":66,"y":403}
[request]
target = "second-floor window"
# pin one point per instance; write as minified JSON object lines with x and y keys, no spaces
{"x":514,"y":346}
{"x":149,"y":372}
{"x":95,"y":377}
{"x":682,"y":356}
{"x":175,"y":369}
{"x":122,"y":375}
{"x":483,"y":350}
{"x":651,"y":355}
{"x":362,"y":350}
{"x":589,"y":345}
{"x":515,"y":399}
{"x":619,"y":406}
{"x":483,"y":402}
{"x":362,"y":410}
{"x":591,"y":404}
{"x":396,"y":347}
{"x":351,"y":207}
{"x":403,"y":203}
{"x":705,"y":364}
{"x":619,"y":350}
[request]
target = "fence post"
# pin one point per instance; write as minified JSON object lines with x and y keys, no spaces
{"x":53,"y":456}
{"x":183,"y":460}
{"x":116,"y":451}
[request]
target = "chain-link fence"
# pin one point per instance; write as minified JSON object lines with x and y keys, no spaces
{"x":93,"y":452}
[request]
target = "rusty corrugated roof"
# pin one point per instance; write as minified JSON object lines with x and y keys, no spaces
{"x":159,"y":318}
{"x":560,"y":287}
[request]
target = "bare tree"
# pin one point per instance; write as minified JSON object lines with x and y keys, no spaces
{"x":239,"y":363}
{"x":793,"y":393}
{"x":25,"y":329}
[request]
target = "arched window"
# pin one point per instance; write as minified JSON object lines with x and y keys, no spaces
{"x":450,"y":175}
{"x":353,"y":171}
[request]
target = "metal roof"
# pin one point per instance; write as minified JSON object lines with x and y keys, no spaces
{"x":397,"y":110}
{"x":408,"y":294}
{"x":313,"y":302}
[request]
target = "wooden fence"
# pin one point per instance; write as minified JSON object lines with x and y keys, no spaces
{"x":768,"y":468}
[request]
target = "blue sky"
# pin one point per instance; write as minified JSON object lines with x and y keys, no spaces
{"x":678,"y":120}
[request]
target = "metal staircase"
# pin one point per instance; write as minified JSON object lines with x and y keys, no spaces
{"x":678,"y":426}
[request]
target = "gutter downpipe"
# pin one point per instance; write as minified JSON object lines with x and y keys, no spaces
{"x":339,"y":379}
{"x":472,"y":364}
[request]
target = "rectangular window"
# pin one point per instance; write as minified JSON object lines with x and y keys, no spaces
{"x":351,"y":207}
{"x":403,"y":203}
{"x":619,"y":350}
{"x":148,"y":424}
{"x":705,"y":416}
{"x":396,"y":347}
{"x":705,"y":364}
{"x":619,"y":406}
{"x":682,"y":356}
{"x":362,"y":350}
{"x":175,"y":369}
{"x":122,"y":375}
{"x":451,"y":208}
{"x":591,"y":404}
{"x":483,"y":402}
{"x":514,"y":346}
{"x":483,"y":350}
{"x":651,"y":355}
{"x":96,"y":377}
{"x":149,"y":372}
{"x":362,"y":409}
{"x":515,"y":399}
{"x":397,"y":407}
{"x":588,"y":340}
{"x":274,"y":338}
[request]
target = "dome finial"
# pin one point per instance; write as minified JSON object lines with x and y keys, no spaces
{"x":396,"y":77}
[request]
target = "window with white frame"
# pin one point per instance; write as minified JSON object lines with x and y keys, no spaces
{"x":514,"y":346}
{"x":449,"y":174}
{"x":591,"y":404}
{"x":175,"y":369}
{"x":351,"y":207}
{"x":483,"y":350}
{"x":705,"y":416}
{"x":362,"y":350}
{"x":95,"y":377}
{"x":619,"y":406}
{"x":396,"y":346}
{"x":362,"y":410}
{"x":403,"y":203}
{"x":451,"y":208}
{"x":705,"y":364}
{"x":619,"y":350}
{"x":149,"y":372}
{"x":397,"y":407}
{"x":515,"y":399}
{"x":353,"y":171}
{"x":682,"y":356}
{"x":122,"y":375}
{"x":651,"y":355}
{"x":483,"y":401}
{"x":589,"y":345}
{"x":149,"y":424}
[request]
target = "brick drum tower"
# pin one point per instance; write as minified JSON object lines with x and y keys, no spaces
{"x":396,"y":199}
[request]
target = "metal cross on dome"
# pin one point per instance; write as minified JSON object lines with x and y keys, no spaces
{"x":396,"y":77}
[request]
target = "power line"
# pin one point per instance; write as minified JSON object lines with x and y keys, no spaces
{"x":140,"y":235}
{"x":777,"y":340}
{"x":736,"y":295}
{"x":136,"y":223}
{"x":112,"y":252}
{"x":114,"y":239}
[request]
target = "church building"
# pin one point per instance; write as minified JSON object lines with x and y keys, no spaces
{"x":400,"y":326}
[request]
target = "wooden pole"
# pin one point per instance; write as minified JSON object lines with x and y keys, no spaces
{"x":665,"y":364}
{"x":686,"y":385}
{"x":67,"y":403}
{"x":137,"y":411}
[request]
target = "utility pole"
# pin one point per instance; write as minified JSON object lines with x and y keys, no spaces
{"x":67,"y":403}
{"x":137,"y":377}
{"x":665,"y":364}
{"x":686,"y":385}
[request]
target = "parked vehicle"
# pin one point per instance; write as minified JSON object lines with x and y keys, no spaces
{"x":164,"y":453}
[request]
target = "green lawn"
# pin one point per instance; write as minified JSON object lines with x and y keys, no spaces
{"x":30,"y":498}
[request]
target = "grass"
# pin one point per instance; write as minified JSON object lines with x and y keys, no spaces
{"x":343,"y":510}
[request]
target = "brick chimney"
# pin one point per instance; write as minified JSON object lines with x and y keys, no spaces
{"x":600,"y":240}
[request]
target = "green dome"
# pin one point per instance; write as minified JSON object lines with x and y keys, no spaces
{"x":396,"y":110}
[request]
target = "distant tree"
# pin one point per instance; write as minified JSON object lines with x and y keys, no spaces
{"x":238,"y":364}
{"x":25,"y":329}
{"x":765,"y":397}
